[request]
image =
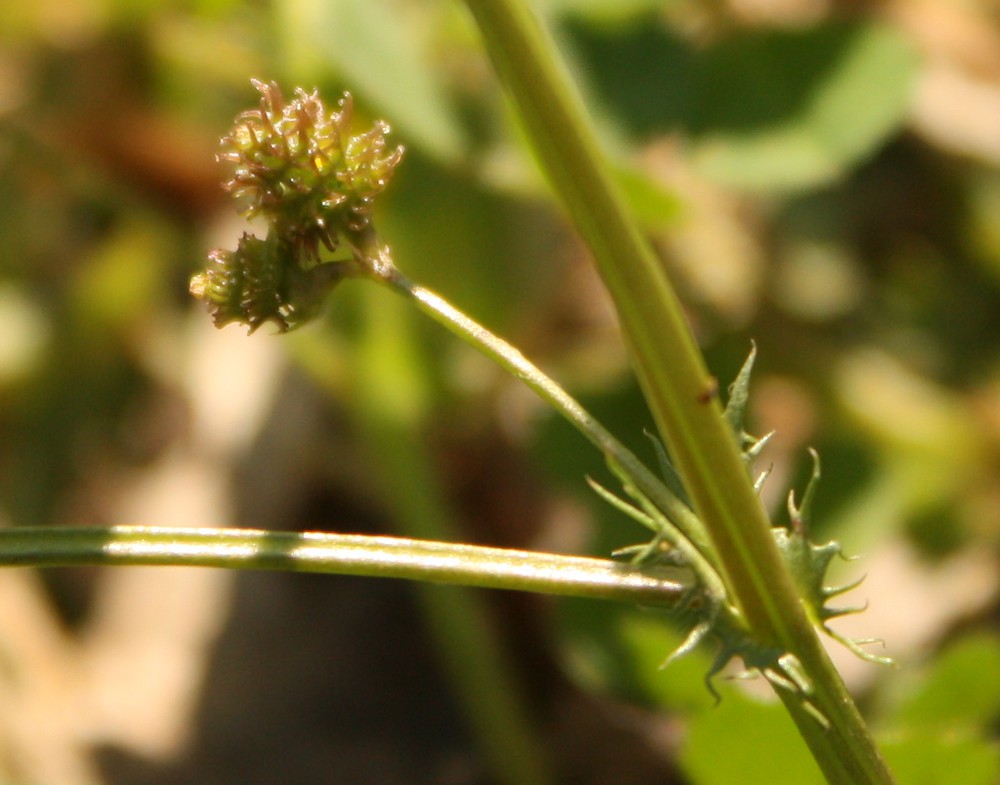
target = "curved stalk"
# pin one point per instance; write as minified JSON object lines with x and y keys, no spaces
{"x":342,"y":554}
{"x":697,"y":551}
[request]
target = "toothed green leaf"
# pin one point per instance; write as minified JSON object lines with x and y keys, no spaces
{"x":624,"y":507}
{"x":739,"y":394}
{"x":809,"y":564}
{"x":665,"y":530}
{"x":667,"y":471}
{"x":801,"y":515}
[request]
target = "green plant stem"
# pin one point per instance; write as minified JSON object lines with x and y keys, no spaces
{"x":340,"y":554}
{"x":697,"y":550}
{"x":672,"y":373}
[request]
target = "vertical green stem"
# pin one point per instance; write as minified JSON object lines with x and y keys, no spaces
{"x":673,"y":376}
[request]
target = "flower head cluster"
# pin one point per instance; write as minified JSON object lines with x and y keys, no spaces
{"x":259,"y":282}
{"x":297,"y":165}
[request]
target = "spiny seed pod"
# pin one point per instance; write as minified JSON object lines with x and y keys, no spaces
{"x":257,"y":283}
{"x":298,"y":166}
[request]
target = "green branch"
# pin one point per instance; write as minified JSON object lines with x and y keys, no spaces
{"x":296,"y":165}
{"x":678,"y":388}
{"x":342,"y":554}
{"x":696,"y":549}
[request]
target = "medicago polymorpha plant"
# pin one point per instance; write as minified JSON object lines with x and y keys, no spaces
{"x":302,"y":169}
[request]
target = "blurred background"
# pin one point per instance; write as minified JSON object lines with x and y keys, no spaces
{"x":821,"y":177}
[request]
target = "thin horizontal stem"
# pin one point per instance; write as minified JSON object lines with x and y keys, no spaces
{"x":343,"y":554}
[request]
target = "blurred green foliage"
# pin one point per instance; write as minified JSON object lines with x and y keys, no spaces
{"x":780,"y":164}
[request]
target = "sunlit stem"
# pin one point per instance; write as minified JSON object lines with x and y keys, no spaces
{"x":694,"y":545}
{"x":343,"y":554}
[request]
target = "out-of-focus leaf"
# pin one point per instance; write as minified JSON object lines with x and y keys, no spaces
{"x":650,"y":637}
{"x":940,"y":730}
{"x":641,"y":72}
{"x":739,"y":740}
{"x":479,"y":248}
{"x":763,"y":110}
{"x":374,"y":50}
{"x":962,"y":689}
{"x":747,"y":742}
{"x":651,"y":203}
{"x":592,"y":649}
{"x":619,"y":650}
{"x":921,"y":425}
{"x":934,"y":758}
{"x":787,"y":110}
